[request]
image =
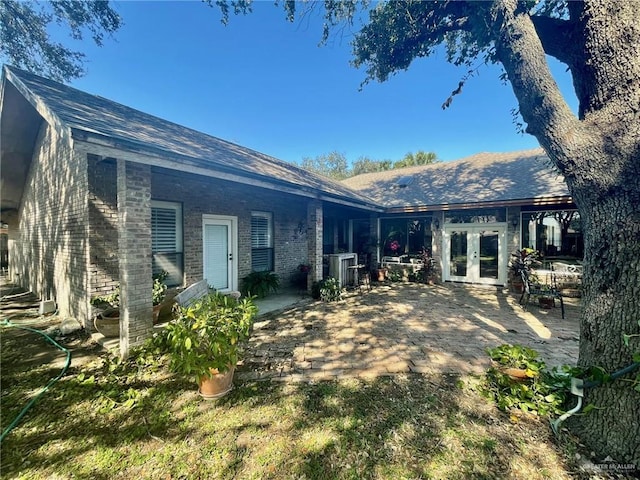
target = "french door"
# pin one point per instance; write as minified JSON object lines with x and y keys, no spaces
{"x":220,"y":252}
{"x":475,"y":253}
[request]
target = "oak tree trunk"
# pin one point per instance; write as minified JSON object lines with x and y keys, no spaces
{"x":599,"y":155}
{"x":611,"y":303}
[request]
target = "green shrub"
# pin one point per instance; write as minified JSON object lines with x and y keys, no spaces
{"x":328,"y":290}
{"x":260,"y":284}
{"x":207,"y":334}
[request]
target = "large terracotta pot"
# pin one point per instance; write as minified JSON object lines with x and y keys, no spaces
{"x":108,"y":323}
{"x":216,"y":386}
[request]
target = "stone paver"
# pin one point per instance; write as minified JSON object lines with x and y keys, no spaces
{"x":401,"y":328}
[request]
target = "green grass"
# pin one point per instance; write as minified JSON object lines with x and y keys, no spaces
{"x":138,"y":421}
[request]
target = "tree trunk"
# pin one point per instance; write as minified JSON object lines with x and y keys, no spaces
{"x":611,"y":302}
{"x":599,"y":156}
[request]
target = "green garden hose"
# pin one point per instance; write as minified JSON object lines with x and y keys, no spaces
{"x":7,"y":323}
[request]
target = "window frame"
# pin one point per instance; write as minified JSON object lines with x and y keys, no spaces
{"x":262,"y":247}
{"x":179,"y":240}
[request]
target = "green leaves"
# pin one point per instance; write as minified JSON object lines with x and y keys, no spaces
{"x":25,"y":41}
{"x":206,"y":335}
{"x":535,"y":390}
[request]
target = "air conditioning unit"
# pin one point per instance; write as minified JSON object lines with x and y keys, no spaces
{"x":339,"y":264}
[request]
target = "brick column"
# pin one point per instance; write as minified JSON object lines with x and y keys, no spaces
{"x":134,"y":252}
{"x":374,"y":234}
{"x":314,"y":235}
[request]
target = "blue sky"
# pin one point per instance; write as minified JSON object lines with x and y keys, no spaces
{"x":264,"y":83}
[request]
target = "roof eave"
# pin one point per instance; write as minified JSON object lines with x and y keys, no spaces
{"x":537,"y":201}
{"x":110,"y":146}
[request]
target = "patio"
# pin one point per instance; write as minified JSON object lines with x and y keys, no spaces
{"x":404,"y":327}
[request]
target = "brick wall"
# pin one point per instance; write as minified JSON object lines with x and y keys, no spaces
{"x":103,"y":226}
{"x":49,"y":249}
{"x":206,"y":196}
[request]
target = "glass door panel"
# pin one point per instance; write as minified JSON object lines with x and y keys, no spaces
{"x":489,"y":254}
{"x":458,"y":254}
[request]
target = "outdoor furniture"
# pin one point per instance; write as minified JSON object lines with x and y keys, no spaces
{"x":361,"y":276}
{"x":567,"y":273}
{"x":192,"y":293}
{"x":545,"y":290}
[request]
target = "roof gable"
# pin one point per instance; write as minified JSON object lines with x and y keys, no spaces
{"x":96,"y":116}
{"x":484,"y":177}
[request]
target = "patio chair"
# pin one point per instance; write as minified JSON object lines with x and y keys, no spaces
{"x":536,"y":289}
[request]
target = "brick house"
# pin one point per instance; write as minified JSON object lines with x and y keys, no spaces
{"x":96,"y":194}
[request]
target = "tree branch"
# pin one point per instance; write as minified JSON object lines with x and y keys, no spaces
{"x":557,"y":37}
{"x":542,"y":105}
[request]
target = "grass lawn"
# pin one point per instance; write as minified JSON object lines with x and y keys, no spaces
{"x":130,"y":421}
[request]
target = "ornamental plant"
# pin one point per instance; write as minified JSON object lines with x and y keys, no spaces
{"x":260,"y":284}
{"x":206,"y":335}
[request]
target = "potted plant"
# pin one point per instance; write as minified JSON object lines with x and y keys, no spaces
{"x":299,"y":277}
{"x":520,"y":264}
{"x":203,"y":340}
{"x":158,"y":294}
{"x":381,"y":274}
{"x":428,"y":271}
{"x":260,"y":284}
{"x":107,"y":320}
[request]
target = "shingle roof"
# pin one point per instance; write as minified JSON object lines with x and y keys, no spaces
{"x":97,"y":116}
{"x":484,"y":177}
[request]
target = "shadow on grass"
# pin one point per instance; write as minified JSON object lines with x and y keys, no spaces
{"x":146,"y":423}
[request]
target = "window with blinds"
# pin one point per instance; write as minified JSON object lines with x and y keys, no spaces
{"x":166,"y":240}
{"x":261,"y":241}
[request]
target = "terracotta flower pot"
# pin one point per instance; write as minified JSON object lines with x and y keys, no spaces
{"x":108,"y":323}
{"x":216,"y":386}
{"x":156,"y":313}
{"x":545,"y":302}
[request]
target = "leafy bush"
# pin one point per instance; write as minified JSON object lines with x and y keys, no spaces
{"x":260,"y":284}
{"x":537,"y":390}
{"x":159,"y":287}
{"x":328,"y":290}
{"x":111,"y":300}
{"x":207,"y":333}
{"x":395,"y":275}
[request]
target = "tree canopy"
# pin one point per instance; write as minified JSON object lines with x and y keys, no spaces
{"x":334,"y":165}
{"x":597,"y":151}
{"x":25,"y":41}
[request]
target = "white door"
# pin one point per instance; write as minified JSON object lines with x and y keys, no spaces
{"x":475,"y":253}
{"x":220,"y":252}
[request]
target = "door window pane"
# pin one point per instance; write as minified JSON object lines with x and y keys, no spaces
{"x":458,"y":255}
{"x":489,"y":254}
